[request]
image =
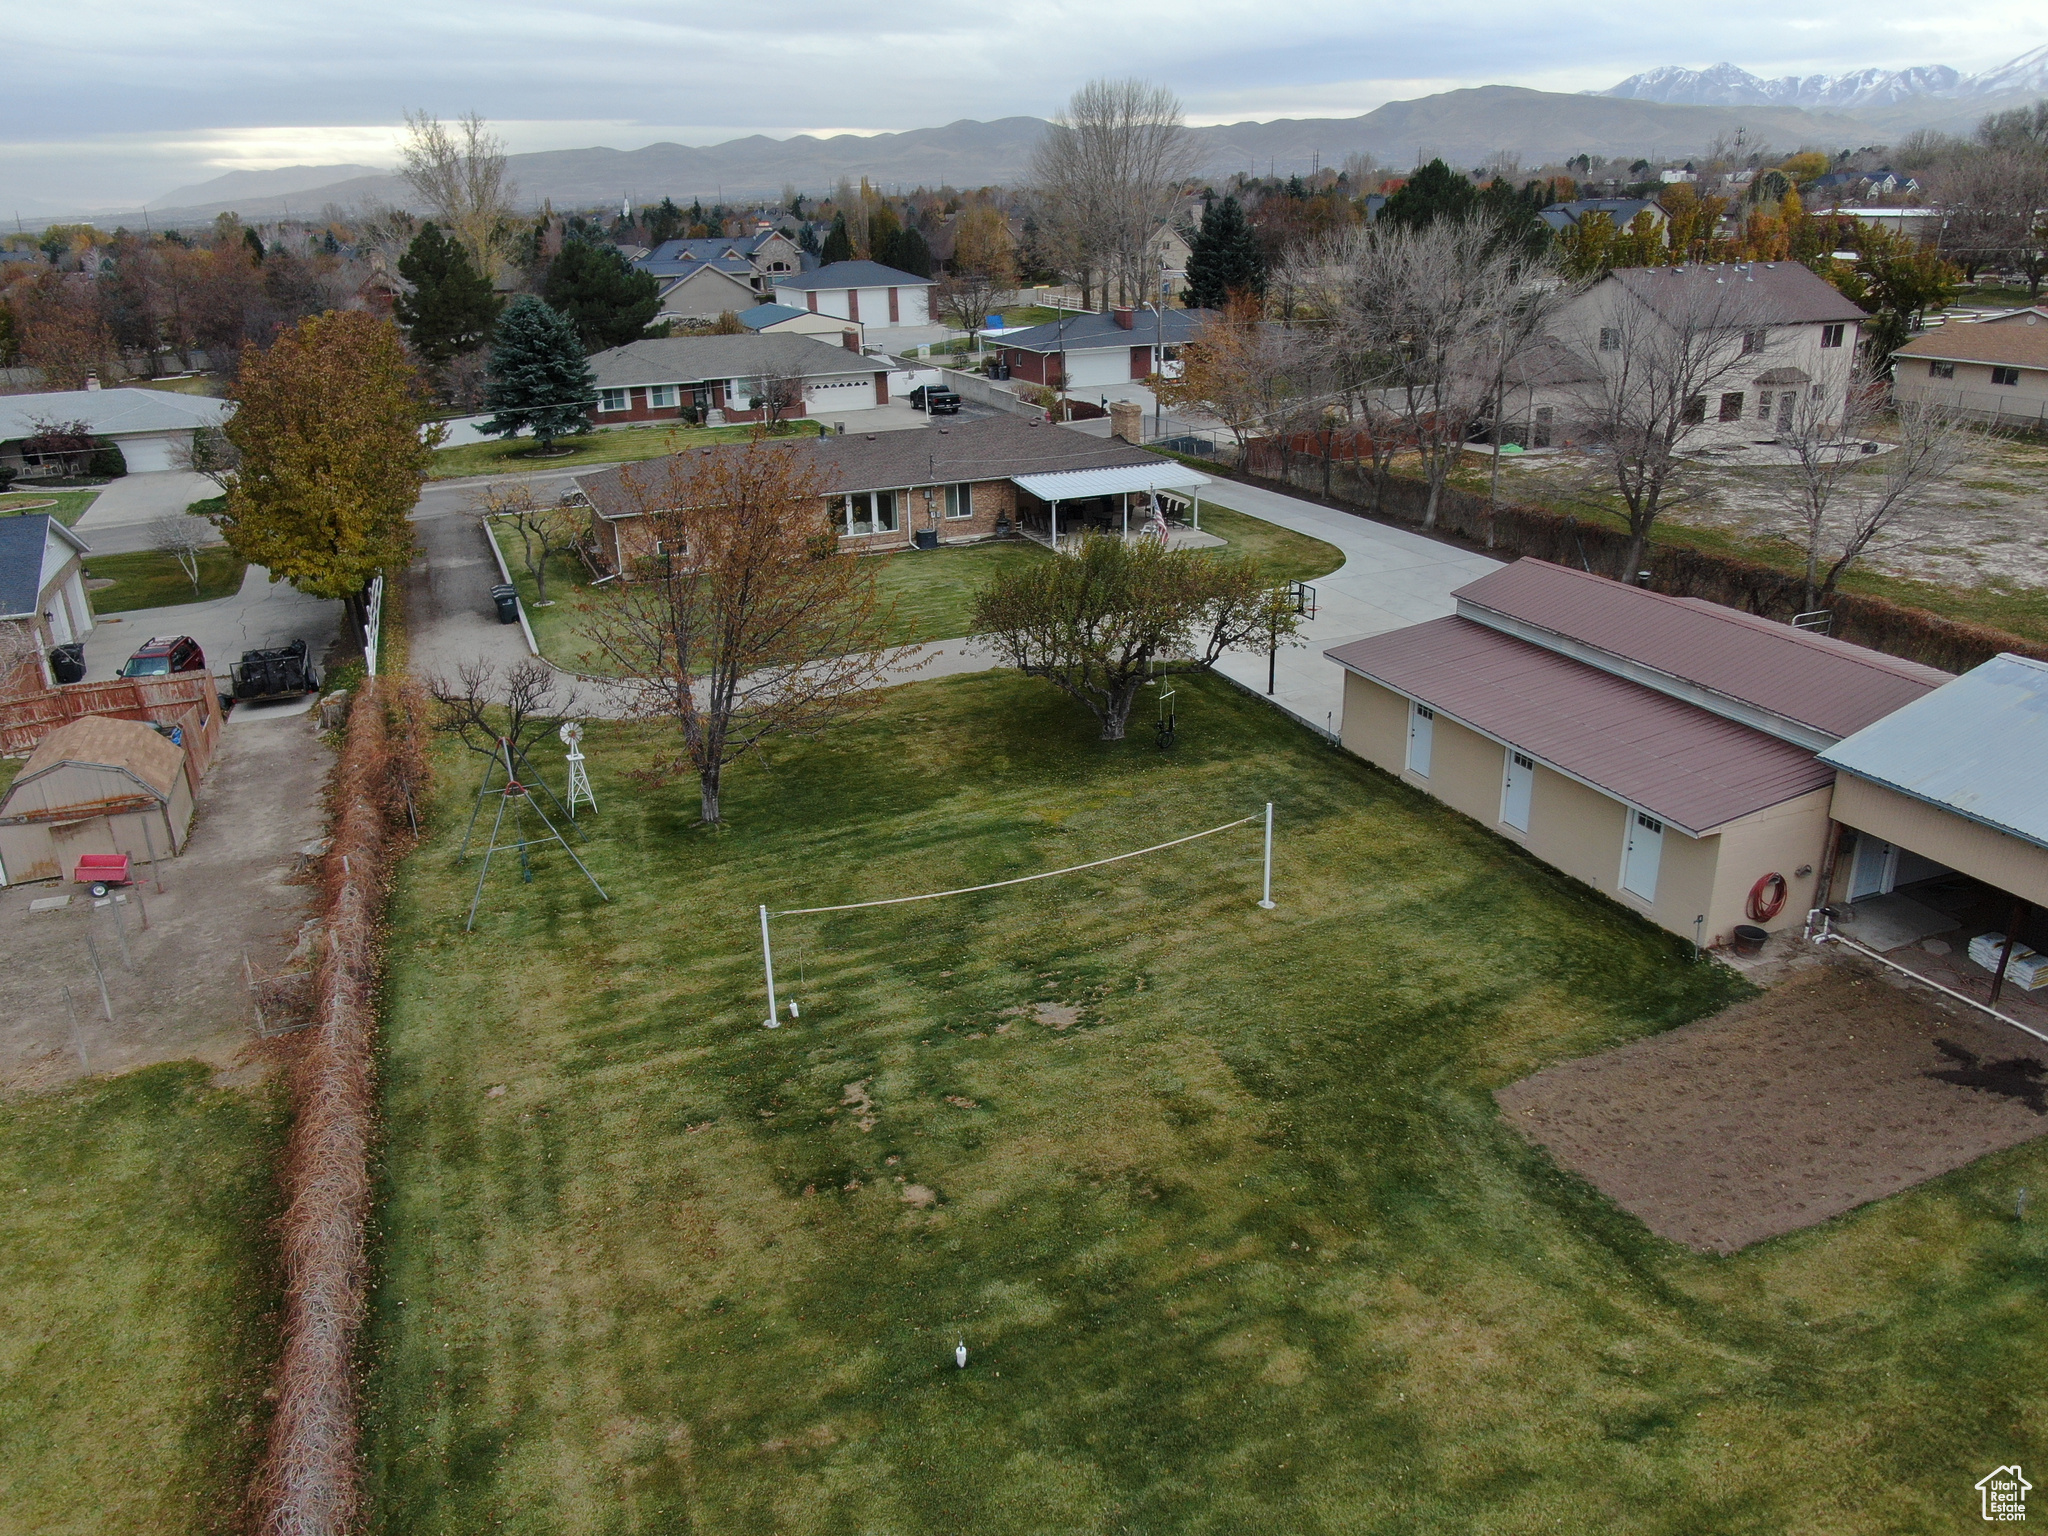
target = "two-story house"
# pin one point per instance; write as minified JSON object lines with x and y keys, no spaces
{"x":875,"y":295}
{"x":706,"y":277}
{"x":1993,"y":370}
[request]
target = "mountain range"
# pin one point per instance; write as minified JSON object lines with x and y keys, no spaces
{"x":1466,"y":127}
{"x":1724,"y":85}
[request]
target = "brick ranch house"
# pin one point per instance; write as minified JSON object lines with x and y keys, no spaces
{"x":1116,"y":347}
{"x":951,"y":484}
{"x":660,"y":380}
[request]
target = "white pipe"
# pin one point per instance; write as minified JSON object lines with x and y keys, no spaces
{"x":1827,"y":935}
{"x":768,"y":965}
{"x":1266,"y":900}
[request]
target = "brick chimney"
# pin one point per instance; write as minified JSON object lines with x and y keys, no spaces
{"x":1126,"y":317}
{"x":850,"y":340}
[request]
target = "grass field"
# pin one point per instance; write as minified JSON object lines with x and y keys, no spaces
{"x":614,"y":445}
{"x":931,"y":590}
{"x":137,"y":1303}
{"x":150,"y":578}
{"x":66,"y":506}
{"x":1244,"y":1247}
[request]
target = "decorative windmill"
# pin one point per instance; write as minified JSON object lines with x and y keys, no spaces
{"x":579,"y":777}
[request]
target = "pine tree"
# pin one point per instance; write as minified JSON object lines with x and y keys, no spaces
{"x":608,"y":300}
{"x":539,"y":381}
{"x":451,"y":308}
{"x":807,"y":239}
{"x":1434,"y":192}
{"x":838,"y":244}
{"x":912,"y":255}
{"x":1224,"y":257}
{"x":664,"y":223}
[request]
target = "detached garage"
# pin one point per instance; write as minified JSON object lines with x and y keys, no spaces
{"x":97,"y":785}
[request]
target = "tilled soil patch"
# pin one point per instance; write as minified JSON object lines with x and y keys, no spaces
{"x":1831,"y":1090}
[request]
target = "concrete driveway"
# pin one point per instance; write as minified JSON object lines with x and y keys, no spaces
{"x":260,"y":615}
{"x":117,"y":523}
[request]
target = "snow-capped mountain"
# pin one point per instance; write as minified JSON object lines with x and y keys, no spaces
{"x":1725,"y":85}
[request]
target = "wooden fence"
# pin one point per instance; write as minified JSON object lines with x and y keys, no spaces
{"x":186,"y":699}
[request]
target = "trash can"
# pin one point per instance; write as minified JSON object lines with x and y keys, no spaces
{"x":927,"y":538}
{"x":67,"y":662}
{"x":507,"y":599}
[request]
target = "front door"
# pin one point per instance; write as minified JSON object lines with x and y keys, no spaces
{"x":1874,"y":868}
{"x":1785,"y":403}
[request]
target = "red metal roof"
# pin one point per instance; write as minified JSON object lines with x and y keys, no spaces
{"x":1675,"y":760}
{"x":1828,"y":685}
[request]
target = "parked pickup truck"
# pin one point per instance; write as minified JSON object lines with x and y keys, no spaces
{"x":278,"y":673}
{"x":935,"y":400}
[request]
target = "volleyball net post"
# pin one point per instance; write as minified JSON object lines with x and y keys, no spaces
{"x":774,"y":1021}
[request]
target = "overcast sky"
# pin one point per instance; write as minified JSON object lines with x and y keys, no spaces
{"x":111,"y":104}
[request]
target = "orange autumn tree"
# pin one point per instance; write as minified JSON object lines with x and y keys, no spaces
{"x":328,"y":425}
{"x":746,"y":623}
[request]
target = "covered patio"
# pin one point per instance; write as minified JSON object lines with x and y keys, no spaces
{"x":1124,"y":500}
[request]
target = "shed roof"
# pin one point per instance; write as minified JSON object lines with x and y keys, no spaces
{"x":2021,"y":343}
{"x":1825,"y":685}
{"x":111,"y":412}
{"x":988,"y":448}
{"x":100,"y":741}
{"x":851,"y":274}
{"x":1977,"y":746}
{"x":687,"y":359}
{"x":23,"y":537}
{"x":1681,"y":763}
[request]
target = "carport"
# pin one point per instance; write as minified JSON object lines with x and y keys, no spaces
{"x":1099,"y":496}
{"x":1941,"y":811}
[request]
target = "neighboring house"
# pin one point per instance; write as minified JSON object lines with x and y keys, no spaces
{"x":787,"y":319}
{"x":148,"y":425}
{"x":1166,"y":262}
{"x":1622,"y":210}
{"x":1921,"y":224}
{"x":1797,"y":340}
{"x":1536,"y":392}
{"x":704,"y":278}
{"x":1114,"y":347}
{"x":949,"y":484}
{"x":1950,"y":783}
{"x":42,"y":581}
{"x":729,"y":376}
{"x":1993,"y":370}
{"x":866,"y":291}
{"x":1661,"y":749}
{"x":97,"y":785}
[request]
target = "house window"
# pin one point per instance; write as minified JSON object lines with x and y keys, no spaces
{"x":1731,"y":406}
{"x":1831,"y":335}
{"x":1763,"y":405}
{"x":611,"y":399}
{"x":959,"y":501}
{"x":1941,"y":370}
{"x":1610,"y":338}
{"x":1695,"y":409}
{"x":2005,"y":375}
{"x":1515,"y":791}
{"x":1645,"y":851}
{"x":661,"y":397}
{"x":1421,"y":738}
{"x":1753,"y":341}
{"x":871,"y":512}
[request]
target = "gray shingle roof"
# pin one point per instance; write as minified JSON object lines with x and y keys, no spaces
{"x":22,"y":537}
{"x":990,"y":448}
{"x":689,"y":359}
{"x":851,"y":274}
{"x":111,"y":412}
{"x":1783,"y":292}
{"x":1091,"y":332}
{"x":762,"y":315}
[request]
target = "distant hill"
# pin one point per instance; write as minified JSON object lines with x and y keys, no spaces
{"x":1465,"y":127}
{"x":1724,"y":85}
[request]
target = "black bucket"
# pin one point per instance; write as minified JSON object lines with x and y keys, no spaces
{"x":1748,"y":939}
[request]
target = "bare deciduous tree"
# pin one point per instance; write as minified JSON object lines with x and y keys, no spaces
{"x":208,"y":452}
{"x":1837,"y":502}
{"x":781,"y":392}
{"x":545,"y":529}
{"x":1111,"y":167}
{"x":182,"y":536}
{"x":460,"y":176}
{"x":745,"y":624}
{"x":487,"y":713}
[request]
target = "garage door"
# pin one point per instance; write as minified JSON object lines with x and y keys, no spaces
{"x":146,"y":455}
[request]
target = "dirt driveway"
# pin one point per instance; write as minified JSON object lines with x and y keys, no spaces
{"x":1833,"y":1089}
{"x":179,"y":994}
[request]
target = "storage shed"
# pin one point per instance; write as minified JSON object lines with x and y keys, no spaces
{"x":97,"y":785}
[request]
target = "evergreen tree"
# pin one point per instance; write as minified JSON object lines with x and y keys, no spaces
{"x":1225,"y":257}
{"x":664,"y":223}
{"x":539,"y":381}
{"x":608,"y":300}
{"x":1434,"y":192}
{"x":807,"y":239}
{"x":451,"y":308}
{"x":838,"y":244}
{"x":912,"y":255}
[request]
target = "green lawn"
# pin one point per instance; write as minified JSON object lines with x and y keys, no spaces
{"x":137,"y":1303}
{"x":931,"y":590}
{"x":151,"y":578}
{"x":1246,"y":1248}
{"x":66,"y":506}
{"x":193,"y":384}
{"x":615,"y":445}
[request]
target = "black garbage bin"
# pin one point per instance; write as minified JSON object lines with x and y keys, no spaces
{"x":507,"y":599}
{"x":927,"y":538}
{"x":67,"y":662}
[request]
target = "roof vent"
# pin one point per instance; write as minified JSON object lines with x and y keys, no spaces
{"x":871,"y":437}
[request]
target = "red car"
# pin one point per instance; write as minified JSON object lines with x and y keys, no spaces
{"x":162,"y":655}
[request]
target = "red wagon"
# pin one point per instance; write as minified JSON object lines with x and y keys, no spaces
{"x":100,"y":870}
